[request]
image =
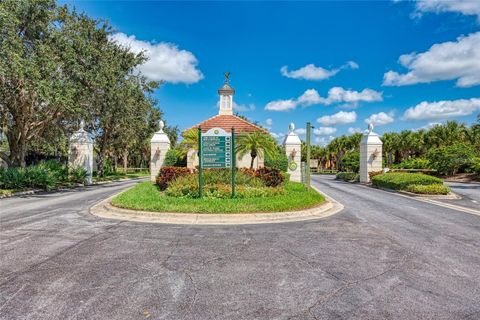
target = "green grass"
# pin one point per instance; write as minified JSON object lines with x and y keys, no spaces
{"x":146,"y":196}
{"x":7,"y":192}
{"x":413,"y":182}
{"x":120,"y":175}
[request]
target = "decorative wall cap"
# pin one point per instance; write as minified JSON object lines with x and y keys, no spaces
{"x":369,"y":137}
{"x":81,"y":136}
{"x":160,"y":135}
{"x":292,"y":138}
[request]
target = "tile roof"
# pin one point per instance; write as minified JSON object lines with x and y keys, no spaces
{"x":226,"y":122}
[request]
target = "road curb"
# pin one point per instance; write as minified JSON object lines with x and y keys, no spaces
{"x":104,"y":209}
{"x":37,"y":191}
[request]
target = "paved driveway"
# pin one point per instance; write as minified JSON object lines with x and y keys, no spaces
{"x":470,"y":193}
{"x":383,"y":257}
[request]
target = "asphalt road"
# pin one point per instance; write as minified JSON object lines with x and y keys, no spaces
{"x":470,"y":193}
{"x":383,"y":257}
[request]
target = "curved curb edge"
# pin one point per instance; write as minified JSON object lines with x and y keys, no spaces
{"x":104,"y":209}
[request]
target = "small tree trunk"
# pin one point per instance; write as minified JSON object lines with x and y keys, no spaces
{"x":125,"y":161}
{"x":253,"y":154}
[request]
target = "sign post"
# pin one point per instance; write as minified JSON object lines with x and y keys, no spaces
{"x":200,"y":182}
{"x":234,"y":166}
{"x":217,"y":151}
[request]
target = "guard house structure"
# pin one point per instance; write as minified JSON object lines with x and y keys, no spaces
{"x":226,"y":120}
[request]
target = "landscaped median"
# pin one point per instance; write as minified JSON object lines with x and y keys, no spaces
{"x":148,"y":197}
{"x":417,"y":183}
{"x":263,"y":196}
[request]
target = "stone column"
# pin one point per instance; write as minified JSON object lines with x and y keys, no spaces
{"x":159,"y":145}
{"x":293,"y":150}
{"x":80,"y":152}
{"x":370,"y":154}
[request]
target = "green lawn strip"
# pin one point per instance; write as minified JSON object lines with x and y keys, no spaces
{"x":119,"y":175}
{"x":146,"y":196}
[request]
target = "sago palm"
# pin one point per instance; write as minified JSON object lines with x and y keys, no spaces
{"x":255,"y":143}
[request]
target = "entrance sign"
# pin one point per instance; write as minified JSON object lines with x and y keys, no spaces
{"x":216,"y":149}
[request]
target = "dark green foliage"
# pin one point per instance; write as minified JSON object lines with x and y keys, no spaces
{"x":167,"y":174}
{"x":401,"y":180}
{"x":46,"y":175}
{"x":78,"y":175}
{"x":347,"y":176}
{"x":272,"y":177}
{"x":175,"y":158}
{"x":413,"y":163}
{"x":452,"y":159}
{"x":351,"y":161}
{"x":279,"y":161}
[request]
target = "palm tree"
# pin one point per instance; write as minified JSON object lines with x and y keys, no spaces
{"x":255,"y":143}
{"x":390,"y":146}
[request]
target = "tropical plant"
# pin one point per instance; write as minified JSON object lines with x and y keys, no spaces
{"x":452,"y":159}
{"x":256,"y":143}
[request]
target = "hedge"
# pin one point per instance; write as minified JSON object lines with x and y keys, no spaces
{"x":401,"y":180}
{"x":347,"y":176}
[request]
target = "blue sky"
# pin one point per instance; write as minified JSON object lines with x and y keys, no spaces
{"x":409,"y":64}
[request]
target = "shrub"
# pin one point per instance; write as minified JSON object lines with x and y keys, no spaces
{"x":401,"y":180}
{"x":78,"y":175}
{"x":167,"y":174}
{"x":175,"y":158}
{"x":476,"y":165}
{"x":40,"y":177}
{"x":372,"y":174}
{"x":414,"y":163}
{"x":12,"y":178}
{"x":351,"y":161}
{"x":278,"y":161}
{"x":270,"y":176}
{"x":428,"y":189}
{"x":187,"y":186}
{"x":347,"y":176}
{"x":452,"y":159}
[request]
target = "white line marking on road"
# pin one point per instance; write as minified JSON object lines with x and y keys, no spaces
{"x":431,"y":201}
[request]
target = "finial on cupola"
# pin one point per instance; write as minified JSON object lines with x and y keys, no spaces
{"x":226,"y":93}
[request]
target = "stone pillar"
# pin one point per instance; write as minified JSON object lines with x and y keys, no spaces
{"x":80,"y":152}
{"x":159,"y":145}
{"x":370,"y":154}
{"x":293,"y":150}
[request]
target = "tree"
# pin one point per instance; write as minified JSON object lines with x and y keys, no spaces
{"x":255,"y":143}
{"x":35,"y":90}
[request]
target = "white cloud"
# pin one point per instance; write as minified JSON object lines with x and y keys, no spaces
{"x":380,"y":118}
{"x":269,"y":123}
{"x":312,"y":72}
{"x":300,"y":131}
{"x":341,"y":117}
{"x":352,"y":64}
{"x":324,"y":131}
{"x":166,"y":61}
{"x":466,"y":7}
{"x":429,"y":126}
{"x":335,"y":95}
{"x":310,"y":97}
{"x":309,"y":72}
{"x":354,"y":130}
{"x":454,"y":60}
{"x":243,"y":107}
{"x":442,"y":109}
{"x":281,"y":105}
{"x":276,"y":135}
{"x":323,"y":141}
{"x":338,"y":94}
